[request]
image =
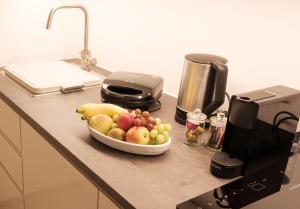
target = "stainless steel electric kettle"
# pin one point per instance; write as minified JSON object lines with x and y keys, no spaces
{"x":203,"y":85}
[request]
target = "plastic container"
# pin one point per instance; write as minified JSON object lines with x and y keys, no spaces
{"x":194,"y":128}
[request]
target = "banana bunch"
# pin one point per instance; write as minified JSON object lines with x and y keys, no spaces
{"x":90,"y":109}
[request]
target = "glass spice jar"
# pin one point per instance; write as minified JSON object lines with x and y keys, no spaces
{"x":216,"y":131}
{"x":194,"y":128}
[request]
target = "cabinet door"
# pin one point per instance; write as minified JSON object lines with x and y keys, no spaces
{"x":11,"y":161}
{"x":105,"y":202}
{"x":10,"y":197}
{"x":10,"y":124}
{"x":50,"y":181}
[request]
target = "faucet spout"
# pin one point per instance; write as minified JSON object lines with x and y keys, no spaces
{"x":86,"y":61}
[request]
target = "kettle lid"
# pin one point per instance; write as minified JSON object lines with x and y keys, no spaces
{"x":205,"y":58}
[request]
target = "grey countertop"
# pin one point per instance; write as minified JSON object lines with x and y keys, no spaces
{"x":133,"y":181}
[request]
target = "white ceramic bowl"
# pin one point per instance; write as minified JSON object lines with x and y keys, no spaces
{"x":139,"y":149}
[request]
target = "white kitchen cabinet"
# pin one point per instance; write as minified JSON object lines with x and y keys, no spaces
{"x":10,"y":197}
{"x":11,"y":161}
{"x":33,"y":175}
{"x":10,"y":125}
{"x":50,"y":181}
{"x":105,"y":202}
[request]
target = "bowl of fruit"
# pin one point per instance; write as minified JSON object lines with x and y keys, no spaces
{"x":135,"y":132}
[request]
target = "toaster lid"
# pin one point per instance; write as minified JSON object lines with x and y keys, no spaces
{"x":134,"y":84}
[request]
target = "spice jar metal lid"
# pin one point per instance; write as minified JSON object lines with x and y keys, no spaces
{"x":219,"y":120}
{"x":196,"y":116}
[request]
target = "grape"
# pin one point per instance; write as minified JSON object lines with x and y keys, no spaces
{"x":151,"y":120}
{"x":146,"y":114}
{"x":144,"y":122}
{"x":158,"y":121}
{"x":159,"y":139}
{"x":138,"y":116}
{"x":165,"y":135}
{"x":115,"y":117}
{"x":153,"y":133}
{"x":168,"y":127}
{"x":160,"y":128}
{"x":150,"y":126}
{"x":138,"y":112}
{"x":137,"y":122}
{"x":113,"y":125}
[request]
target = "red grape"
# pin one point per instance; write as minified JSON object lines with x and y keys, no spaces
{"x":144,"y":122}
{"x":137,"y":122}
{"x":150,"y":126}
{"x":151,"y":120}
{"x":146,"y":114}
{"x":138,"y":112}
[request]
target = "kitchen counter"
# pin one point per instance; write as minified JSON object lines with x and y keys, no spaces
{"x":133,"y":181}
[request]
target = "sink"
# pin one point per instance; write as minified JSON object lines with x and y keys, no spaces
{"x":51,"y":77}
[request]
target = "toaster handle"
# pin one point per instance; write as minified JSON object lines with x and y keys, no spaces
{"x":219,"y":87}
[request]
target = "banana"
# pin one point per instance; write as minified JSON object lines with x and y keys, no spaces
{"x":82,"y":108}
{"x":104,"y":108}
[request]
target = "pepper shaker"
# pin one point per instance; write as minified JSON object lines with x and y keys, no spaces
{"x":216,"y":131}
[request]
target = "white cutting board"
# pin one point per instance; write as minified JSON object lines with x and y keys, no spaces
{"x":48,"y":77}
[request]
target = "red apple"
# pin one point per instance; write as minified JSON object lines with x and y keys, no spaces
{"x":138,"y":135}
{"x":125,"y":121}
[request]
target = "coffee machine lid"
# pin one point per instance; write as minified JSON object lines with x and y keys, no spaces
{"x":205,"y":58}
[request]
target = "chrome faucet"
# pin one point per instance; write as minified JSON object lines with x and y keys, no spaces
{"x":87,"y":62}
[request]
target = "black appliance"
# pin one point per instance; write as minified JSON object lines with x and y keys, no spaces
{"x":260,"y":124}
{"x":276,"y":186}
{"x":133,"y":90}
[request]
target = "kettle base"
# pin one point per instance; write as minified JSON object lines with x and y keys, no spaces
{"x":180,"y":116}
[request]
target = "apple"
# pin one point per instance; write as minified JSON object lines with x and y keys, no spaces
{"x":117,"y":133}
{"x":101,"y":123}
{"x":125,"y":121}
{"x":138,"y":135}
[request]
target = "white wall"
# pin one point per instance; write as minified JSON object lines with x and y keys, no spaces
{"x":260,"y":38}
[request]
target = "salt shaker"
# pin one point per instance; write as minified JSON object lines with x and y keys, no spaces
{"x":216,"y":131}
{"x":195,"y":126}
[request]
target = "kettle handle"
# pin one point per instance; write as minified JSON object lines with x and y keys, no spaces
{"x":220,"y":82}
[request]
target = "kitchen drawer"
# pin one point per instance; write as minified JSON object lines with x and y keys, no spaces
{"x":10,"y":197}
{"x":105,"y":202}
{"x":11,"y":161}
{"x":10,"y":124}
{"x":50,"y":181}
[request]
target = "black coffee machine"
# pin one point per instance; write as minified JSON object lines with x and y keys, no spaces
{"x":261,"y":126}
